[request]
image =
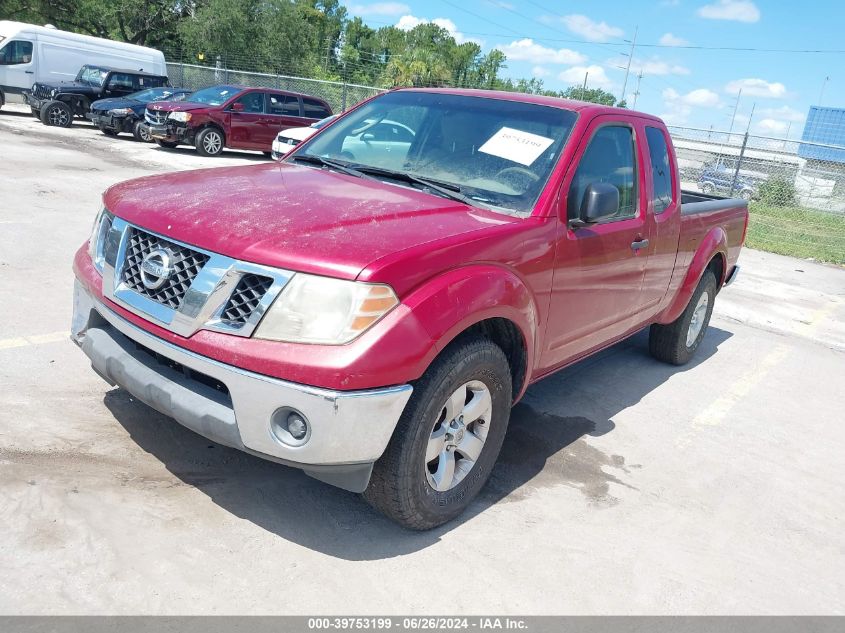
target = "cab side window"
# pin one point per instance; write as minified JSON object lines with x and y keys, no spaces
{"x":16,"y":52}
{"x":121,"y":81}
{"x":609,"y":158}
{"x":661,"y":169}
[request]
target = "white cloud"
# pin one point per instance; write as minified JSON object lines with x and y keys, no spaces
{"x":540,"y":71}
{"x":667,"y":39}
{"x":653,"y":66}
{"x":756,"y":88}
{"x":736,"y":10}
{"x":379,"y":8}
{"x":589,"y":29}
{"x":597,"y":78}
{"x":783,"y":113}
{"x":528,"y":50}
{"x":772,"y":126}
{"x":678,"y":107}
{"x":408,"y":22}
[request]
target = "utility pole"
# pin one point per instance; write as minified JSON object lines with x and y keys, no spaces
{"x":750,"y":116}
{"x":584,"y":89}
{"x":821,"y":92}
{"x":630,"y":59}
{"x":736,"y":106}
{"x":637,"y":91}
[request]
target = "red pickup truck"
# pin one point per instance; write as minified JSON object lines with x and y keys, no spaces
{"x":369,"y":313}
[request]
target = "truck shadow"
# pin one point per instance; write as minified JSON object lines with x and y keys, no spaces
{"x":545,"y":446}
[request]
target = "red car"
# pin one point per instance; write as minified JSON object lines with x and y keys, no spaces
{"x":370,"y":315}
{"x":212,"y":119}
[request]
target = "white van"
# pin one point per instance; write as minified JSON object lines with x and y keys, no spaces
{"x":30,"y":53}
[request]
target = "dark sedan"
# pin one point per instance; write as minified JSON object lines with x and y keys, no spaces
{"x":126,"y":114}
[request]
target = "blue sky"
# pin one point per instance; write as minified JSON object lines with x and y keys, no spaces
{"x":561,"y":41}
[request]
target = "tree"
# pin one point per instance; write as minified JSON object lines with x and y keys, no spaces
{"x":593,"y":95}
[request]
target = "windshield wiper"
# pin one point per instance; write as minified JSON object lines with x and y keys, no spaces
{"x":445,"y":189}
{"x":327,"y":162}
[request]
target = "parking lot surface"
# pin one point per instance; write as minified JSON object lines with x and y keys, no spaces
{"x":624,"y":486}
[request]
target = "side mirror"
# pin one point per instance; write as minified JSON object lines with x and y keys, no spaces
{"x":367,"y":137}
{"x":600,"y":202}
{"x":237,"y":107}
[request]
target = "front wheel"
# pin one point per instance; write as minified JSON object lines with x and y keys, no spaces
{"x":56,"y":113}
{"x":448,"y":438}
{"x":166,"y":144}
{"x":676,"y":342}
{"x":210,"y":142}
{"x":107,"y":131}
{"x":141,"y":132}
{"x":708,"y":188}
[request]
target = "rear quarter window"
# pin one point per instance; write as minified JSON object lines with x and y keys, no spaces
{"x":313,"y":109}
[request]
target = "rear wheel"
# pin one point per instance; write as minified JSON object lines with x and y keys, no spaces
{"x":209,"y":142}
{"x":708,"y":188}
{"x":56,"y":113}
{"x":141,"y":132}
{"x":448,"y":438}
{"x":676,"y":342}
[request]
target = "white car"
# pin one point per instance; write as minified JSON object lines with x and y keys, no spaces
{"x":286,"y":140}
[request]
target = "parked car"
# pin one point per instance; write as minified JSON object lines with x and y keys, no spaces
{"x":232,"y":116}
{"x":719,"y":178}
{"x":287,"y":139}
{"x":126,"y":114}
{"x":372,"y":323}
{"x":57,"y":103}
{"x":45,"y":55}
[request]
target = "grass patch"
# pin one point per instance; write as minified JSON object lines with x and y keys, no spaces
{"x":797,"y":231}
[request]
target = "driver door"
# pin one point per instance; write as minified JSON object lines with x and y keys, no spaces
{"x":599,"y":268}
{"x":17,"y":65}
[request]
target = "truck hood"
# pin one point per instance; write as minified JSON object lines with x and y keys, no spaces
{"x":69,"y":86}
{"x":294,"y":217}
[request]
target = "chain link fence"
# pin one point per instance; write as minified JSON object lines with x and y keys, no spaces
{"x":795,"y":189}
{"x":339,"y":95}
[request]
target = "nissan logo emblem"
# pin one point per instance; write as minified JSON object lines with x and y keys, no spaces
{"x":156,"y":268}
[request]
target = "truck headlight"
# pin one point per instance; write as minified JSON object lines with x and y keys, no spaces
{"x":102,"y":225}
{"x":180,"y":117}
{"x":53,"y":93}
{"x":314,"y":309}
{"x":120,"y":112}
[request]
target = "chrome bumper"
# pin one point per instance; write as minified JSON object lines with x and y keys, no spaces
{"x":349,"y":430}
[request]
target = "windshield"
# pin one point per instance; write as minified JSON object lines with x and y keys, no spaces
{"x":218,"y":95}
{"x":92,"y":76}
{"x":151,"y":94}
{"x":497,"y":153}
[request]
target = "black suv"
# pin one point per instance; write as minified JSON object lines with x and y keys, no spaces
{"x":58,"y":103}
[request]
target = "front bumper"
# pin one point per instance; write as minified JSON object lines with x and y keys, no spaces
{"x":171,"y":133}
{"x":349,"y":430}
{"x":110,"y":122}
{"x":32,"y":101}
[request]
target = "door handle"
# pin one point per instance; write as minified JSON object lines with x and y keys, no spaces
{"x":639,"y":244}
{"x":29,"y":72}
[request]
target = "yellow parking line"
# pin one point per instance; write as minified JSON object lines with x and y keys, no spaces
{"x":35,"y":339}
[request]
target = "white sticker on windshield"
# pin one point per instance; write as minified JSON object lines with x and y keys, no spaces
{"x":520,"y":147}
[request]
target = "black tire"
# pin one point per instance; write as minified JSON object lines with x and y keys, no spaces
{"x":268,"y":154}
{"x":210,"y":142}
{"x":141,"y":132}
{"x":57,"y":114}
{"x":708,"y":188}
{"x":668,"y":343}
{"x":399,"y":485}
{"x":166,"y":144}
{"x":107,"y":131}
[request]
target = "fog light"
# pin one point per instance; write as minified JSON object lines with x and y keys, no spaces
{"x":297,"y":427}
{"x":290,"y":427}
